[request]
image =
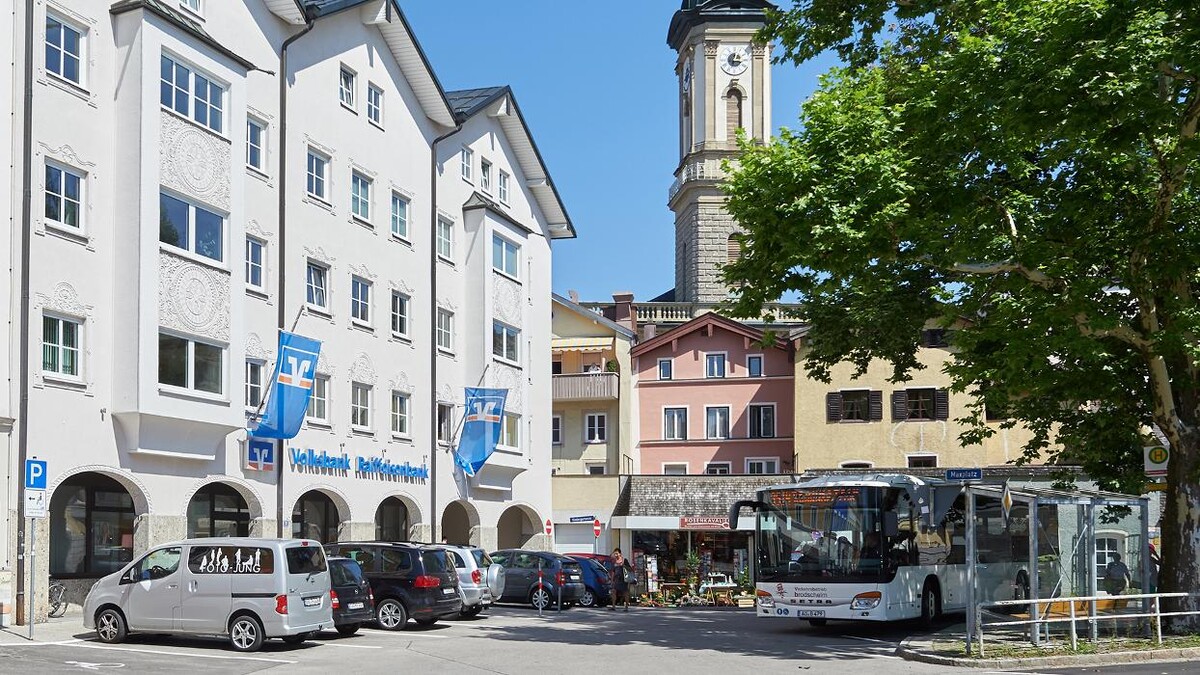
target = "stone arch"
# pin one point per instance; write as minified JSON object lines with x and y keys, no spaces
{"x":412,"y":517}
{"x":253,"y":516}
{"x":90,"y":532}
{"x":519,"y":526}
{"x":136,"y":489}
{"x":734,"y":111}
{"x":460,"y":523}
{"x":246,"y":490}
{"x":339,"y":502}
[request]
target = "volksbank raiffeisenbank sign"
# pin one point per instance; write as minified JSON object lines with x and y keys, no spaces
{"x":365,"y":466}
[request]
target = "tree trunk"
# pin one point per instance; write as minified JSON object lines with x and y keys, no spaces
{"x":1181,"y":532}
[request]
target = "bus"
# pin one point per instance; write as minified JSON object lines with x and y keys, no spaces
{"x":876,"y":547}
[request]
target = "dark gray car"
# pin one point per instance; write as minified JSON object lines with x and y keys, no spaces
{"x":521,"y":583}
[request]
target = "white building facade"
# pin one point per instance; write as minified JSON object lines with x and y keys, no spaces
{"x":194,"y":189}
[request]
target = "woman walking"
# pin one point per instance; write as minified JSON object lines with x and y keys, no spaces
{"x":622,"y":578}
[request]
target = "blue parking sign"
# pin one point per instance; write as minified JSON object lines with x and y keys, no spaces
{"x":35,"y":474}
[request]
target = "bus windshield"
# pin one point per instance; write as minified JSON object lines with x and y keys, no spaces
{"x":821,"y":535}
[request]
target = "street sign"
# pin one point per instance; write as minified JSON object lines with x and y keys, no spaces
{"x":582,"y":519}
{"x":35,"y":474}
{"x":1155,"y":487}
{"x":1006,"y":501}
{"x":964,"y":474}
{"x":596,"y":528}
{"x":1156,"y":458}
{"x":549,"y":527}
{"x":35,"y":503}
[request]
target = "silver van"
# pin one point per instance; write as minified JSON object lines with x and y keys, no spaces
{"x":246,"y":589}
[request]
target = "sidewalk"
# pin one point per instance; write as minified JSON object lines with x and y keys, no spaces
{"x":947,"y":647}
{"x":54,"y":630}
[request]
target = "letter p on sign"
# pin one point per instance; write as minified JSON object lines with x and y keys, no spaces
{"x":35,"y":474}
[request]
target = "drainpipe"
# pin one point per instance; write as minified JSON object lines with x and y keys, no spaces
{"x":281,"y":314}
{"x":433,"y":351}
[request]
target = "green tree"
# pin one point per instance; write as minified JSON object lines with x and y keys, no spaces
{"x":1025,"y":172}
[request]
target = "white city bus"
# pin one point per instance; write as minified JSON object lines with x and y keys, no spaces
{"x":873,"y":547}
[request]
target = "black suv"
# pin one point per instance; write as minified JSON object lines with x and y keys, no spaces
{"x":408,"y":581}
{"x":521,"y":578}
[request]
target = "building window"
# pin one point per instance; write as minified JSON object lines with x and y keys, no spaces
{"x":191,"y":94}
{"x":91,"y":527}
{"x":556,"y":367}
{"x":674,"y":469}
{"x":254,"y":383}
{"x":445,"y":330}
{"x":754,"y":366}
{"x":855,"y":464}
{"x":217,"y":510}
{"x":675,"y":424}
{"x":717,"y":468}
{"x":934,"y":337}
{"x":360,"y":406}
{"x":399,"y":314}
{"x":556,"y":430}
{"x":595,"y":428}
{"x":485,"y":176}
{"x":256,"y":145}
{"x":920,"y":404}
{"x":360,"y":300}
{"x":665,"y":369}
{"x":360,"y":196}
{"x":254,"y":263}
{"x":346,"y":84}
{"x":399,"y":216}
{"x":504,"y":256}
{"x":466,"y":158}
{"x":192,"y":5}
{"x":762,"y":420}
{"x":318,"y":402}
{"x":445,"y":240}
{"x":64,"y":195}
{"x":190,"y":227}
{"x":400,"y":414}
{"x":716,"y":423}
{"x":510,"y":431}
{"x":714,"y":365}
{"x":504,"y":341}
{"x":855,"y":405}
{"x":762,"y":465}
{"x":64,"y":49}
{"x":1106,"y":548}
{"x":445,"y":422}
{"x":733,"y":113}
{"x":317,"y":286}
{"x":596,"y":469}
{"x":922,"y":461}
{"x":375,"y":104}
{"x":60,"y":346}
{"x":189,"y":364}
{"x":318,"y":169}
{"x":503,"y":187}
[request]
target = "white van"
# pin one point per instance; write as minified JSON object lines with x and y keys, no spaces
{"x":247,"y":589}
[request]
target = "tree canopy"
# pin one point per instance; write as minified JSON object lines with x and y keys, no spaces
{"x":1021,"y":171}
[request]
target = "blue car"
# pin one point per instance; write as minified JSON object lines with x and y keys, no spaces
{"x":597,"y":583}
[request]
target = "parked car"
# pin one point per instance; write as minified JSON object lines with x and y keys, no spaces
{"x":604,"y":559}
{"x":248,"y":590}
{"x":521,"y":578}
{"x":410,"y":581}
{"x":597,"y":582}
{"x":480,"y":579}
{"x":351,"y":596}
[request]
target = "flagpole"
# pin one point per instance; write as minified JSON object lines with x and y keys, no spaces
{"x":277,"y":444}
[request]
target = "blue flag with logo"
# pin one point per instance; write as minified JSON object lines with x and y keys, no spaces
{"x":287,"y":401}
{"x":481,"y":428}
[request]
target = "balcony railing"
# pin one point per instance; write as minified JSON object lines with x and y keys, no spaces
{"x":682,"y":312}
{"x":585,"y":387}
{"x":704,"y":169}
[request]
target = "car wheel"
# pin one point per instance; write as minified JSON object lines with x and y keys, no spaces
{"x":348,"y":629}
{"x":245,"y":634}
{"x":425,"y":623}
{"x":588,"y":599}
{"x":540,"y":598}
{"x":391,"y":615}
{"x":110,"y":626}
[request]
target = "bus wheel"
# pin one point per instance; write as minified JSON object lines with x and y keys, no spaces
{"x":817,"y":622}
{"x":931,"y":603}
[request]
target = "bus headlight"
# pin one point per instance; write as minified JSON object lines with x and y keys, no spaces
{"x":869,"y":600}
{"x":765,"y":599}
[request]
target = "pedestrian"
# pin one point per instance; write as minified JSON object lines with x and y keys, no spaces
{"x":1116,"y":575}
{"x":1155,"y":566}
{"x":622,"y":578}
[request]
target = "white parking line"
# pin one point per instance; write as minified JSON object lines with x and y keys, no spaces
{"x":338,"y":644}
{"x":88,"y":645}
{"x":865,"y":639}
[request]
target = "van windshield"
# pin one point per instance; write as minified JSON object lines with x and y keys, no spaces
{"x":305,"y":560}
{"x":435,"y":561}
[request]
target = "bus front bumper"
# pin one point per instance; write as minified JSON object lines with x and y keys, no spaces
{"x":837,"y":609}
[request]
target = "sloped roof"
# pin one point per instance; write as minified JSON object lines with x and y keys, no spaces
{"x":467,"y":102}
{"x":181,"y":20}
{"x":700,"y":323}
{"x":696,"y":12}
{"x":594,"y":316}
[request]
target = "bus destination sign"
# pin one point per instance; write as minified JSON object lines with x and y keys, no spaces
{"x":815,"y":496}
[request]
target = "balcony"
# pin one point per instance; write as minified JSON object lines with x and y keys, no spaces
{"x":701,"y":169}
{"x":586,"y":387}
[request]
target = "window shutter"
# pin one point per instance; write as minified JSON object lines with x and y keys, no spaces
{"x":875,"y":405}
{"x":899,"y":405}
{"x":941,"y":404}
{"x":833,"y":407}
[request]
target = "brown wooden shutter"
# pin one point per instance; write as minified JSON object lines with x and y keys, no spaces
{"x":833,"y":407}
{"x":941,"y":404}
{"x":899,"y":405}
{"x":875,"y":406}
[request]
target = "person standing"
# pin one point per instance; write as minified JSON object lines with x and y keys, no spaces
{"x":622,"y":578}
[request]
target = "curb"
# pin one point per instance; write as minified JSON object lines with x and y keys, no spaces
{"x":906,"y":652}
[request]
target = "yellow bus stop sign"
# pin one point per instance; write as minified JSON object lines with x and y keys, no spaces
{"x":1156,"y":458}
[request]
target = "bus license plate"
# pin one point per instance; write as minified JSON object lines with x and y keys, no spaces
{"x":314,"y":601}
{"x":810,"y":613}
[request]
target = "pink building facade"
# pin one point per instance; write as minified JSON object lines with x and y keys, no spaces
{"x":713,"y":400}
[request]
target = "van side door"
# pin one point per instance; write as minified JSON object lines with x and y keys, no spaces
{"x":207,"y":586}
{"x":150,"y":591}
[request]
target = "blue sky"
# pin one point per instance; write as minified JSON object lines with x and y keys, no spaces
{"x":596,"y":84}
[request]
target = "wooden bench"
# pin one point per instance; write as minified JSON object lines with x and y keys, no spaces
{"x":1061,"y":609}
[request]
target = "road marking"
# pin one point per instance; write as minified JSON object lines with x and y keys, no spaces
{"x":865,"y":639}
{"x":336,"y":644}
{"x":88,"y":645}
{"x":93,"y":666}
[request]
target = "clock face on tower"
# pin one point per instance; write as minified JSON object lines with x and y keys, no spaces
{"x":734,"y":59}
{"x":687,"y":76}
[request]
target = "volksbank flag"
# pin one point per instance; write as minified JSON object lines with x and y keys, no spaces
{"x":287,"y":401}
{"x":481,"y":428}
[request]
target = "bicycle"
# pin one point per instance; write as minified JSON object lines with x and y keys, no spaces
{"x":58,"y":602}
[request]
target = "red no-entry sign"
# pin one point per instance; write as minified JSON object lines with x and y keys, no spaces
{"x":596,"y":528}
{"x":549,"y":526}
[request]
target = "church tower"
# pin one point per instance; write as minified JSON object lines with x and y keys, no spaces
{"x":724,"y":84}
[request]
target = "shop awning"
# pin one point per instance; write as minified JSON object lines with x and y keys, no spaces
{"x":581,"y":344}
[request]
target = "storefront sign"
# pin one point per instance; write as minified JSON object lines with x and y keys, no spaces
{"x":231,"y":560}
{"x":363,"y":466}
{"x":260,"y":455}
{"x":703,"y":523}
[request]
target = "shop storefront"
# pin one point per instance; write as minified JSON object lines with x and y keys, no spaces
{"x":672,"y":556}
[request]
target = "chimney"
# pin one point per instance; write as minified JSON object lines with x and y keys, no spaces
{"x":573,"y":295}
{"x":649,"y":331}
{"x":624,"y":314}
